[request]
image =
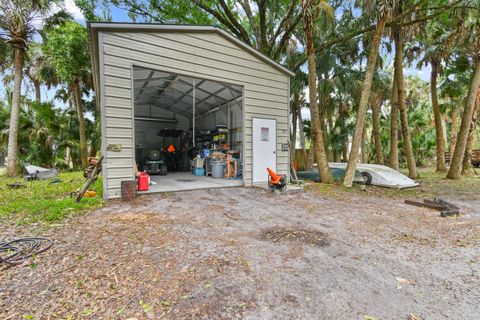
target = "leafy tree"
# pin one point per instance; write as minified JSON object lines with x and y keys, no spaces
{"x":67,"y":49}
{"x":263,"y":24}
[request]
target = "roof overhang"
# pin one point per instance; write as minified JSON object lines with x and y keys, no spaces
{"x":95,"y":27}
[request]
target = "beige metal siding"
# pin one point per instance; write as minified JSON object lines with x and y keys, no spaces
{"x":202,"y":55}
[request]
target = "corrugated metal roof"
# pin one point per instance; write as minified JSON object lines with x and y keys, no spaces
{"x":168,"y":90}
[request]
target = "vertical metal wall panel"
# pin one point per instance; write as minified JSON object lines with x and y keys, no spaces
{"x":201,"y":55}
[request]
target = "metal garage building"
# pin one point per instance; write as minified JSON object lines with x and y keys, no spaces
{"x":170,"y":85}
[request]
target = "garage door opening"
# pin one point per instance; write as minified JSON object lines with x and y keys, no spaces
{"x":188,"y":131}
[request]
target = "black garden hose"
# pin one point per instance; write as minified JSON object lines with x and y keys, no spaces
{"x":14,"y":252}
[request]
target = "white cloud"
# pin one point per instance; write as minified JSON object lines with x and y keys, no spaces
{"x":72,"y":8}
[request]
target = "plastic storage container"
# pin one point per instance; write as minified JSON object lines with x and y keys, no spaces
{"x":218,"y":168}
{"x":198,"y":171}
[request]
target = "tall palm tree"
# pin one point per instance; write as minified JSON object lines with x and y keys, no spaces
{"x":471,"y":32}
{"x":17,"y":27}
{"x":467,"y":158}
{"x":311,"y":11}
{"x":434,"y":46}
{"x":402,"y":107}
{"x":462,"y":138}
{"x":384,"y":8}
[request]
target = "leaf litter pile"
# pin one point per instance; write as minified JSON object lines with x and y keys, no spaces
{"x":279,"y":234}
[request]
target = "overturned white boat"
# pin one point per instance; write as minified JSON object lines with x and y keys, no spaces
{"x":379,"y":175}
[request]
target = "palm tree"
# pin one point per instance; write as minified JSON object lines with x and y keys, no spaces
{"x":402,"y":107}
{"x":471,"y":32}
{"x":462,"y":138}
{"x":17,"y":27}
{"x":311,"y":10}
{"x":467,"y":158}
{"x":435,"y":45}
{"x":385,"y":10}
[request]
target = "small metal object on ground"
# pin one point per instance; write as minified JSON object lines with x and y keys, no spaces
{"x":129,"y":190}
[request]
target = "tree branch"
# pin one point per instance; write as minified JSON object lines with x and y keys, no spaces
{"x":220,"y":18}
{"x":282,"y":24}
{"x":263,"y":46}
{"x":286,"y":36}
{"x":235,"y":22}
{"x":248,"y":11}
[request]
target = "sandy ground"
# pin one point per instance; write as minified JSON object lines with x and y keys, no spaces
{"x":249,"y":254}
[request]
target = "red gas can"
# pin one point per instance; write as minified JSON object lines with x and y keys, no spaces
{"x":143,"y":181}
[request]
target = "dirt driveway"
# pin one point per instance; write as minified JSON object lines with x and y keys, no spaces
{"x":249,"y":254}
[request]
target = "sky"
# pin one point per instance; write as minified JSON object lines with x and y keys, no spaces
{"x":119,"y":15}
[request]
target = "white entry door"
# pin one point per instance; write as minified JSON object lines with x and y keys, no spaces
{"x":264,"y":148}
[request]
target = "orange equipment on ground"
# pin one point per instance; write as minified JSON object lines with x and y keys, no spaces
{"x":276,"y":181}
{"x":274,"y":178}
{"x":171,"y":148}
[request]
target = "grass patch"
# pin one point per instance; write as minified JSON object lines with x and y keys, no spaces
{"x":432,"y":184}
{"x":44,"y":201}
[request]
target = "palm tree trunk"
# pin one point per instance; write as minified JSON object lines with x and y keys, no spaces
{"x":467,"y":158}
{"x":364,"y":146}
{"x":38,"y":95}
{"x":460,"y":146}
{"x":393,"y":156}
{"x":15,"y":113}
{"x":376,"y":105}
{"x":310,"y":157}
{"x":363,"y":105}
{"x":293,"y":141}
{"x":453,"y":131}
{"x":345,"y":153}
{"x":324,"y":129}
{"x":81,"y":123}
{"x":407,"y":141}
{"x":317,"y":134}
{"x":440,"y":138}
{"x":302,"y":138}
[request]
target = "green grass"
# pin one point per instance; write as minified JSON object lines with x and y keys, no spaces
{"x":43,"y":201}
{"x":432,"y":184}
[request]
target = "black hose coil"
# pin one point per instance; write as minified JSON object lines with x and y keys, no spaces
{"x":16,"y":251}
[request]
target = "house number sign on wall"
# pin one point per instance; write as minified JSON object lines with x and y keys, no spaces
{"x":114,"y":147}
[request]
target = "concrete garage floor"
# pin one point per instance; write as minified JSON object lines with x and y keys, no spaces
{"x":246,"y":253}
{"x":182,"y":181}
